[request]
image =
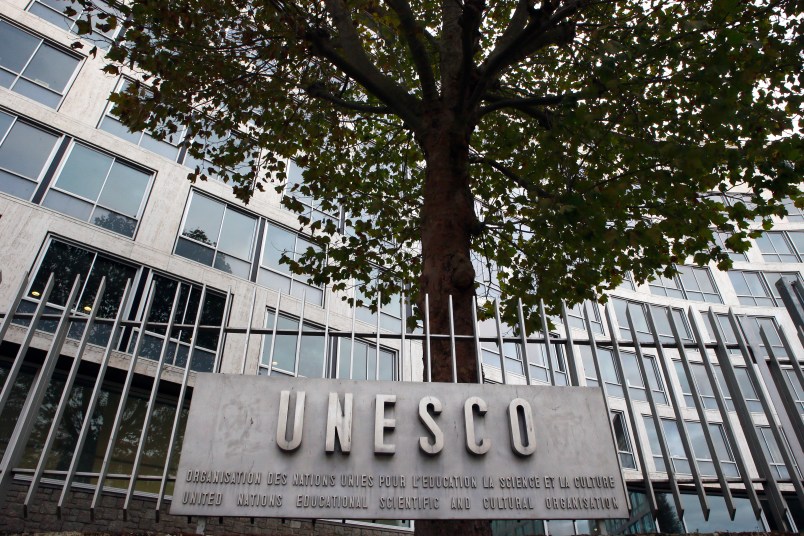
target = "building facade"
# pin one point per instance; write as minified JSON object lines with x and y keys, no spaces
{"x":134,"y":278}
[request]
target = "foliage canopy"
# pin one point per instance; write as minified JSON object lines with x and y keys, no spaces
{"x":589,"y":130}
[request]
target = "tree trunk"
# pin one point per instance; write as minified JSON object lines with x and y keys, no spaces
{"x":448,"y":223}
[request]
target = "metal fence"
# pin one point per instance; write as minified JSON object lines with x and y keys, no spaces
{"x":44,"y":339}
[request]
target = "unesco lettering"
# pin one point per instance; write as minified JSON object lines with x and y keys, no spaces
{"x":340,"y":414}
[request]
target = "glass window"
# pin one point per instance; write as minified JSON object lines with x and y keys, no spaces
{"x":169,"y":147}
{"x":797,"y":238}
{"x":750,"y":288}
{"x":34,"y":68}
{"x":772,"y":453}
{"x":699,"y":447}
{"x":66,"y":261}
{"x":279,"y":242}
{"x":577,"y":314}
{"x":53,"y":11}
{"x":661,"y":316}
{"x":794,"y":213}
{"x":390,"y":313}
{"x":752,"y":325}
{"x":772,"y":278}
{"x":698,"y":285}
{"x":101,"y":189}
{"x":98,"y":432}
{"x":341,"y":361}
{"x":623,"y":439}
{"x":607,"y":369}
{"x":363,"y":363}
{"x":208,"y":146}
{"x":775,"y":248}
{"x":217,"y":235}
{"x":795,"y":388}
{"x":636,"y":387}
{"x":180,"y":342}
{"x":666,"y":286}
{"x":628,"y":281}
{"x":25,"y":151}
{"x":720,"y":240}
{"x":701,"y":383}
{"x":312,"y":209}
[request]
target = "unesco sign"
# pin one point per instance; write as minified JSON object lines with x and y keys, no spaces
{"x":311,"y":448}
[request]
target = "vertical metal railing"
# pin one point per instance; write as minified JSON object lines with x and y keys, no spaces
{"x":736,"y":423}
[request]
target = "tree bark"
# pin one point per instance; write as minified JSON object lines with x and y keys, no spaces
{"x":448,"y":223}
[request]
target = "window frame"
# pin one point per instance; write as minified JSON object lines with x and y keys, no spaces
{"x":95,"y":204}
{"x":215,"y":248}
{"x":43,"y":41}
{"x":49,"y":160}
{"x":95,"y":37}
{"x":140,"y":134}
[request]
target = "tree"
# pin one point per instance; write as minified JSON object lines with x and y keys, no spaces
{"x":562,"y":142}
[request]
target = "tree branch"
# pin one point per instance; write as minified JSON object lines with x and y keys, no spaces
{"x":412,"y":32}
{"x":498,"y":101}
{"x":548,"y":26}
{"x":358,"y":66}
{"x":317,"y":91}
{"x":511,"y":175}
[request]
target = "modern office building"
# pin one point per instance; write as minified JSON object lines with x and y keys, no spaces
{"x":192,"y":282}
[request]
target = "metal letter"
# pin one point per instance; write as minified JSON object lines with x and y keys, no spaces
{"x":468,"y":413}
{"x":516,"y":430}
{"x":427,"y":445}
{"x":282,"y":424}
{"x":381,"y":424}
{"x":339,"y":422}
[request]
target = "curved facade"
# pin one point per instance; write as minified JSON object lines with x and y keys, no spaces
{"x":192,"y":281}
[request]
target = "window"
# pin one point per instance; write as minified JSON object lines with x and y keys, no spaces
{"x":720,"y":240}
{"x":25,"y":151}
{"x":772,"y":278}
{"x":775,"y":248}
{"x":660,"y":317}
{"x":390,"y":313}
{"x":514,"y":357}
{"x":628,"y":281}
{"x":772,"y":453}
{"x":275,"y":274}
{"x":701,"y":383}
{"x":360,"y":363}
{"x":99,"y":188}
{"x":577,"y":314}
{"x":363,"y":363}
{"x":700,"y":449}
{"x":623,"y":439}
{"x":794,"y":214}
{"x":66,"y":261}
{"x":169,"y":147}
{"x":691,"y":283}
{"x":752,"y":325}
{"x":33,"y":67}
{"x":797,"y":238}
{"x":180,"y":341}
{"x":795,"y":388}
{"x":751,"y":289}
{"x":209,"y":145}
{"x":759,"y":288}
{"x":666,"y":286}
{"x":215,"y":234}
{"x":53,"y":11}
{"x":607,"y":369}
{"x":636,"y":387}
{"x":747,"y":390}
{"x":312,"y":210}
